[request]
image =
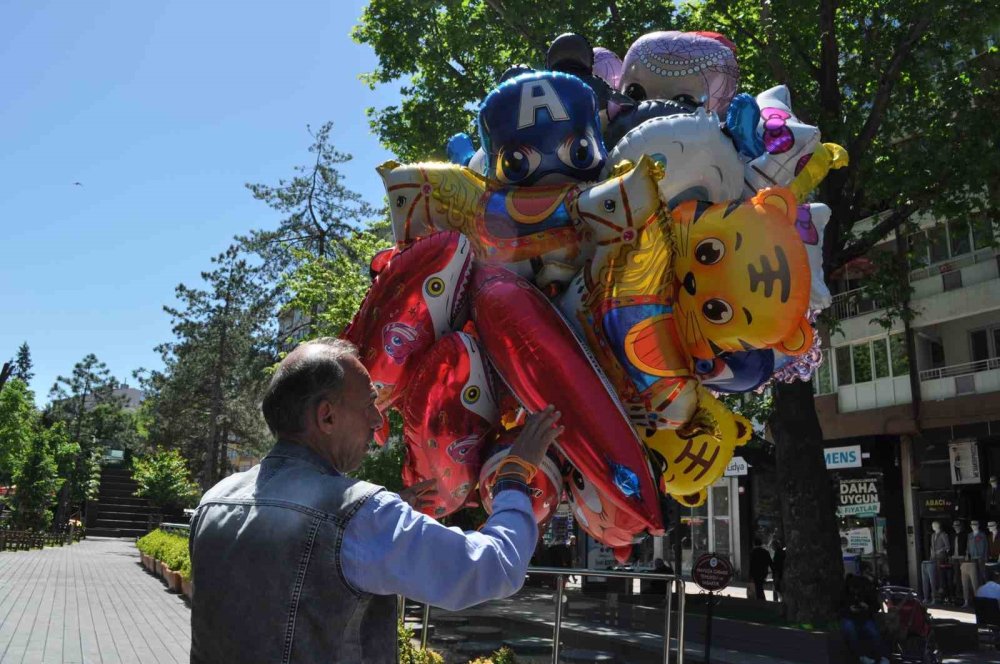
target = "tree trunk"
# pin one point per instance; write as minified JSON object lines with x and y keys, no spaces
{"x":814,"y":568}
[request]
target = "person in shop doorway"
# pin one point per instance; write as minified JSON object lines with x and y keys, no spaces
{"x":778,"y":568}
{"x":859,"y":605}
{"x":760,"y":564}
{"x":993,"y":498}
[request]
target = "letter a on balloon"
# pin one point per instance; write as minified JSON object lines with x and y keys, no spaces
{"x":536,"y":95}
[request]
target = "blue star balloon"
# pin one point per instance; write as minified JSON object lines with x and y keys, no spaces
{"x":626,"y":480}
{"x":542,"y":128}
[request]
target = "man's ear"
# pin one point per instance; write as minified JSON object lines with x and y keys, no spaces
{"x":326,"y":416}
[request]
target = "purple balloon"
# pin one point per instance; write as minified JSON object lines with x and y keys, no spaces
{"x":608,"y":66}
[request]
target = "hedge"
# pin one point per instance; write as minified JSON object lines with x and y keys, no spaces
{"x":171,"y":549}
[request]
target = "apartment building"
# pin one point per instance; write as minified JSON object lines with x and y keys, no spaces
{"x":914,"y":430}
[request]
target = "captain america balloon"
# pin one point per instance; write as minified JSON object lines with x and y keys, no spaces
{"x":542,"y":128}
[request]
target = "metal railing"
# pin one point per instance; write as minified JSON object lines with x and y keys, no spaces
{"x":961,"y":369}
{"x":956,"y":263}
{"x":674,"y":583}
{"x":852,"y":303}
{"x":176,"y":528}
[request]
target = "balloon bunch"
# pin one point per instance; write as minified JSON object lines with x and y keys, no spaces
{"x":625,"y":287}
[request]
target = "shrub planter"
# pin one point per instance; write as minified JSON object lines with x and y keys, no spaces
{"x":186,"y":587}
{"x":161,"y":570}
{"x":173,"y":579}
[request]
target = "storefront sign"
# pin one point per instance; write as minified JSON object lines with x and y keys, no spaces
{"x":937,"y":503}
{"x":712,"y":572}
{"x":963,"y":458}
{"x":858,"y":497}
{"x":857,"y":540}
{"x":737,"y":467}
{"x":842,"y":457}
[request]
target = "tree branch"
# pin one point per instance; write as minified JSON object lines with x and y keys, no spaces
{"x":501,"y":13}
{"x":880,"y":230}
{"x":859,"y":146}
{"x":5,"y":373}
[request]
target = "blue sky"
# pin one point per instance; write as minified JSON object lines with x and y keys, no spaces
{"x":162,"y":110}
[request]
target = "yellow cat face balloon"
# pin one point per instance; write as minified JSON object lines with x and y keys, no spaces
{"x":742,"y":276}
{"x":689,"y":462}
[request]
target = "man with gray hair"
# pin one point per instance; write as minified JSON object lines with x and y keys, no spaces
{"x":293,"y":561}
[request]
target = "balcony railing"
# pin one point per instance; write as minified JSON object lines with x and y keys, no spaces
{"x":961,"y":369}
{"x":952,"y":264}
{"x":852,"y":303}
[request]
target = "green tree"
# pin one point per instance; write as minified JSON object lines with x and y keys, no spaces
{"x":164,"y":480}
{"x":23,"y":364}
{"x":75,"y":399}
{"x":319,"y":211}
{"x":37,"y":482}
{"x":18,"y":424}
{"x":907,"y":87}
{"x":454,"y":51}
{"x":205,"y":397}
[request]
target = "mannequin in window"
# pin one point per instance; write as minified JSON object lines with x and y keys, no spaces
{"x":993,"y":541}
{"x":993,"y":498}
{"x":941,"y":557}
{"x":973,"y":565}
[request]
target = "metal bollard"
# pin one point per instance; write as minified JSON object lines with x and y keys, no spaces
{"x":668,"y":604}
{"x":681,"y":598}
{"x":426,"y":622}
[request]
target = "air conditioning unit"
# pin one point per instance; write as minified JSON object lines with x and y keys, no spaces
{"x":965,"y":384}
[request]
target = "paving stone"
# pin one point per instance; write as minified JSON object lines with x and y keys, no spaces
{"x":478,"y":648}
{"x":530,"y":645}
{"x":88,"y":602}
{"x":579,"y":655}
{"x":479,"y":631}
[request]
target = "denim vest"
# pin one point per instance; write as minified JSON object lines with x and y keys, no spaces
{"x":265,"y":559}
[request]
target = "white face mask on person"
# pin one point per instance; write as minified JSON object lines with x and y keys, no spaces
{"x":992,"y":527}
{"x":936,"y":527}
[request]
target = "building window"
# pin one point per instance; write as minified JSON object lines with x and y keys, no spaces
{"x":823,"y":378}
{"x":985,"y":343}
{"x":937,"y":243}
{"x":897,"y":354}
{"x":880,"y":357}
{"x":862,"y":361}
{"x":844,"y":374}
{"x":982,"y":233}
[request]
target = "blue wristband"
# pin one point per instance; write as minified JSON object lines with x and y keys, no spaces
{"x":509,"y":483}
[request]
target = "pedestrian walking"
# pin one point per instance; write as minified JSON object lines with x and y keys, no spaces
{"x":778,"y":568}
{"x":760,"y":564}
{"x":295,"y":561}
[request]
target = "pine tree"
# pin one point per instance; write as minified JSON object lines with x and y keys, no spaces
{"x":23,"y":363}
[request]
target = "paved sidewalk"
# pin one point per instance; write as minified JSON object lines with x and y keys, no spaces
{"x":89,"y":602}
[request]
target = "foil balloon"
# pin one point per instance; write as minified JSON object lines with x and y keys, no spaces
{"x":630,"y":325}
{"x":700,"y":161}
{"x":545,"y":486}
{"x":809,"y":172}
{"x":810,"y":222}
{"x":418,"y":297}
{"x":743,"y":276}
{"x":628,"y":118}
{"x":428,"y":197}
{"x":542,"y":362}
{"x":788,"y":143}
{"x":615,"y":211}
{"x":691,"y":459}
{"x":608,"y":66}
{"x":599,"y":515}
{"x":448,"y":409}
{"x":742,"y":371}
{"x":541,"y":128}
{"x":683,"y":66}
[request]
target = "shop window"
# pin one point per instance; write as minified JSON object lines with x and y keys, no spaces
{"x":844,"y":374}
{"x":880,"y":357}
{"x":897,"y":354}
{"x":823,"y":378}
{"x":862,"y":361}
